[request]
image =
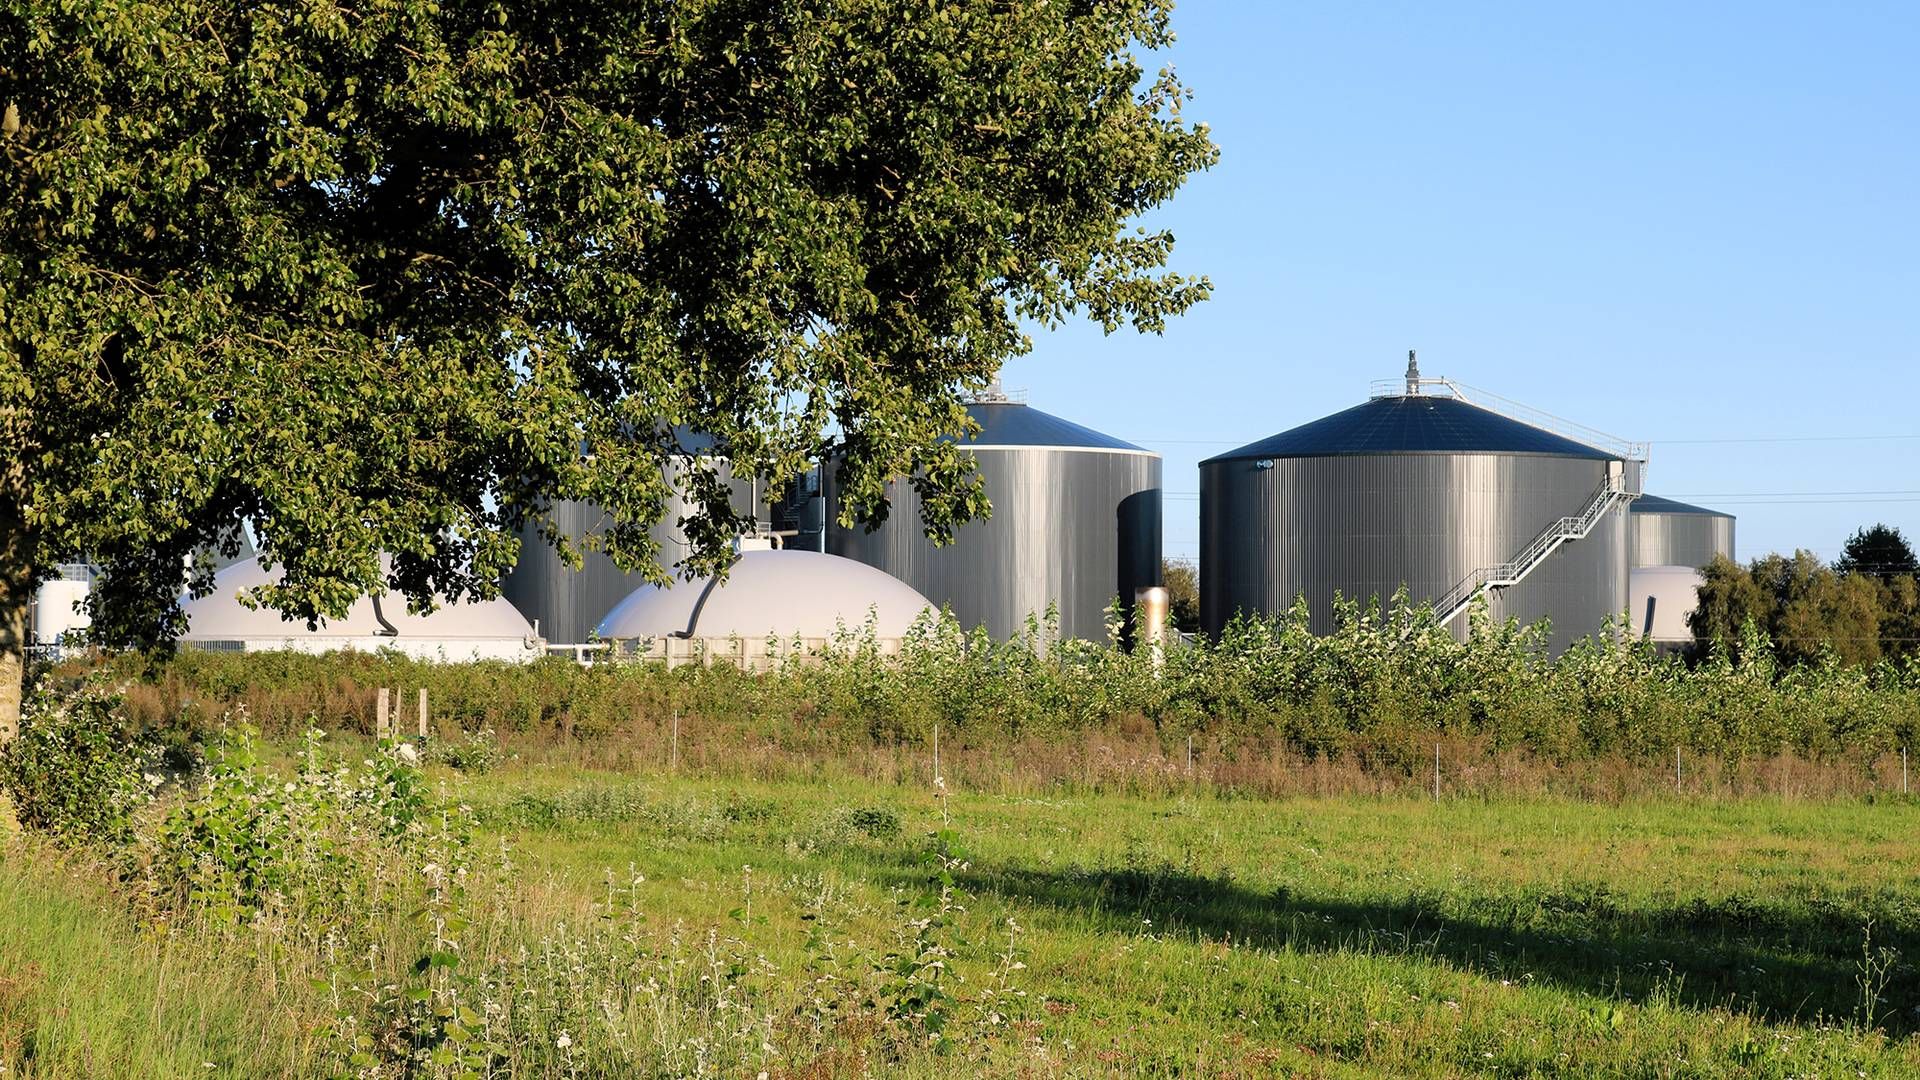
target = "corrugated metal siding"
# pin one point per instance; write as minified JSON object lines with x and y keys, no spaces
{"x":1679,"y":539}
{"x":563,"y":603}
{"x":1076,"y":528}
{"x":567,"y":604}
{"x":1363,"y":525}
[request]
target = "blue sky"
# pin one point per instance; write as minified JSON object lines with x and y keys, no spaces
{"x":1670,"y":222}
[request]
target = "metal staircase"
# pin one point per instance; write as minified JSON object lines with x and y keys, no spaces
{"x":1613,"y":493}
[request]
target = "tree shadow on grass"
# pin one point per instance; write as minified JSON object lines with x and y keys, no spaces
{"x":1785,"y":965}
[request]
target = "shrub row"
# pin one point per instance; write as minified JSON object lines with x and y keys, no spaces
{"x":1379,"y":689}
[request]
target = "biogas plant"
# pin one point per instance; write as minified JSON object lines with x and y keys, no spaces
{"x":1450,"y":492}
{"x":1454,"y":494}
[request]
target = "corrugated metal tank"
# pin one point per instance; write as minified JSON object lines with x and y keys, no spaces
{"x":1662,"y":532}
{"x":1414,"y":489}
{"x":566,"y":604}
{"x":1076,"y":523}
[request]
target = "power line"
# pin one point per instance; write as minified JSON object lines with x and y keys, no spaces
{"x":1746,"y":498}
{"x":1788,"y":439}
{"x":1786,"y":494}
{"x":1191,"y":442}
{"x":1814,"y":502}
{"x":1656,"y":442}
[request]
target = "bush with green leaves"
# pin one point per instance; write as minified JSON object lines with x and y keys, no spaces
{"x":356,"y":880}
{"x":1379,"y":689}
{"x":473,"y":752}
{"x":76,"y":771}
{"x":249,"y":841}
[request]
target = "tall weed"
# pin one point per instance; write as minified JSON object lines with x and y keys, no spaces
{"x":1380,"y":691}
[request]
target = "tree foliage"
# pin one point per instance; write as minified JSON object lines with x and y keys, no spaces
{"x":1808,"y":609}
{"x":1183,"y":594}
{"x":395,"y":276}
{"x":1880,"y":551}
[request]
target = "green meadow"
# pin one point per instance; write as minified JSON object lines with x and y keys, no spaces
{"x":834,"y":925}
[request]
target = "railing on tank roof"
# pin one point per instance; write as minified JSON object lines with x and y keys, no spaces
{"x":996,"y":394}
{"x":1624,"y":449}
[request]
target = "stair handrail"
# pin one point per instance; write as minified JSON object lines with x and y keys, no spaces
{"x":1455,"y":600}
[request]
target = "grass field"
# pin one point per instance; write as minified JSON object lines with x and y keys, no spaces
{"x":1096,"y":935}
{"x":1215,"y":936}
{"x":85,"y":993}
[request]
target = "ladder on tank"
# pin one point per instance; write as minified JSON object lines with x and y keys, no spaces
{"x":1612,"y":493}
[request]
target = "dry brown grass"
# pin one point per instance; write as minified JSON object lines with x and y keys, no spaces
{"x":1143,"y":764}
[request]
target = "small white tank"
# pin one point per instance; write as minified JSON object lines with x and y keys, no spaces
{"x":57,"y":611}
{"x":1660,"y":598}
{"x":487,"y":630}
{"x":787,"y":596}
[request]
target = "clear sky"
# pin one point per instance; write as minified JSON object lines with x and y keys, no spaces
{"x":1695,"y":224}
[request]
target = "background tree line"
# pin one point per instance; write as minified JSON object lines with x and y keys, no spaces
{"x":1863,"y":607}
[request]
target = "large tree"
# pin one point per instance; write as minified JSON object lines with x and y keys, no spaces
{"x":1729,"y":598}
{"x":1878,"y":551}
{"x":393,"y":276}
{"x":1805,"y":607}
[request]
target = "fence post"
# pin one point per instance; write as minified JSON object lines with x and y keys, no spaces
{"x":1676,"y":770}
{"x":1903,"y":771}
{"x":383,"y":714}
{"x":1436,"y":772}
{"x":423,"y":712}
{"x":1189,"y":755}
{"x":936,"y":753}
{"x":673,"y":751}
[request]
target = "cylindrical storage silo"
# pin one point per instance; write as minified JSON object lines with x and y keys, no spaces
{"x":57,"y":607}
{"x":1662,"y":532}
{"x":566,"y":604}
{"x":1076,"y":524}
{"x":1414,"y":489}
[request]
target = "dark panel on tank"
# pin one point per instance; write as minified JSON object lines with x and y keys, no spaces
{"x":1413,"y":425}
{"x":1009,"y":423}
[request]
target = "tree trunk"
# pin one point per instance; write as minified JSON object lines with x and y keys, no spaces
{"x":13,"y":653}
{"x":16,"y":592}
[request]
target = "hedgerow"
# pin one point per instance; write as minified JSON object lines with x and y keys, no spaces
{"x":1380,"y":688}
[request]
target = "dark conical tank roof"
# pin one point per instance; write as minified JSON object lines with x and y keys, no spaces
{"x":1414,"y":424}
{"x":1012,"y":423}
{"x":1654,"y":504}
